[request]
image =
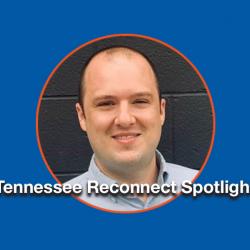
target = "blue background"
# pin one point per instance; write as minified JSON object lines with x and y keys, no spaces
{"x":36,"y":36}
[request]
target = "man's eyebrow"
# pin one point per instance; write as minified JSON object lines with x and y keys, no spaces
{"x":103,"y":97}
{"x":142,"y":94}
{"x":108,"y":97}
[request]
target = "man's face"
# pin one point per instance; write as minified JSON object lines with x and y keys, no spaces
{"x":122,"y":113}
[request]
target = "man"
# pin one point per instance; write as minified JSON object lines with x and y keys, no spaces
{"x":122,"y":112}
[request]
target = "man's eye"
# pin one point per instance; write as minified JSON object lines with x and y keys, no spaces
{"x":141,"y":101}
{"x":106,"y":103}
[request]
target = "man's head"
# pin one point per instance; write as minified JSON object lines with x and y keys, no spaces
{"x":121,"y":111}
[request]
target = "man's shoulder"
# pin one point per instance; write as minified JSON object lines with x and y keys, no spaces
{"x":81,"y":179}
{"x":101,"y":201}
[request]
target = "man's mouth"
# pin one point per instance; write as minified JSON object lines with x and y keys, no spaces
{"x":126,"y":137}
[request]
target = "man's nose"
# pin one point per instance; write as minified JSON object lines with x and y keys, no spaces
{"x":124,"y":116}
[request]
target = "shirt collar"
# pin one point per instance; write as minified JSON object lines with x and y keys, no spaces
{"x":162,"y":165}
{"x":97,"y":175}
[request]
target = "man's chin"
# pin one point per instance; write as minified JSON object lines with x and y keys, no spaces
{"x":128,"y":159}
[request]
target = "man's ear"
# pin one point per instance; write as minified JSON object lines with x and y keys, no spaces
{"x":163,"y":105}
{"x":81,"y":116}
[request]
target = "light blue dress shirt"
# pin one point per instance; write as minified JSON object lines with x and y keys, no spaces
{"x":168,"y":173}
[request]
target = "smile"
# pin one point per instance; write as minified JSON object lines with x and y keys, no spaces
{"x":126,"y":138}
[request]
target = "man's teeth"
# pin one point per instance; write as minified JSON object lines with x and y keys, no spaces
{"x":125,"y":137}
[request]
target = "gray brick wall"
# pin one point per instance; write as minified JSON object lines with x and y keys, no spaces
{"x":187,"y":131}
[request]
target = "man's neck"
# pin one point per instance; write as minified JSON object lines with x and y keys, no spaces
{"x":146,"y":175}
